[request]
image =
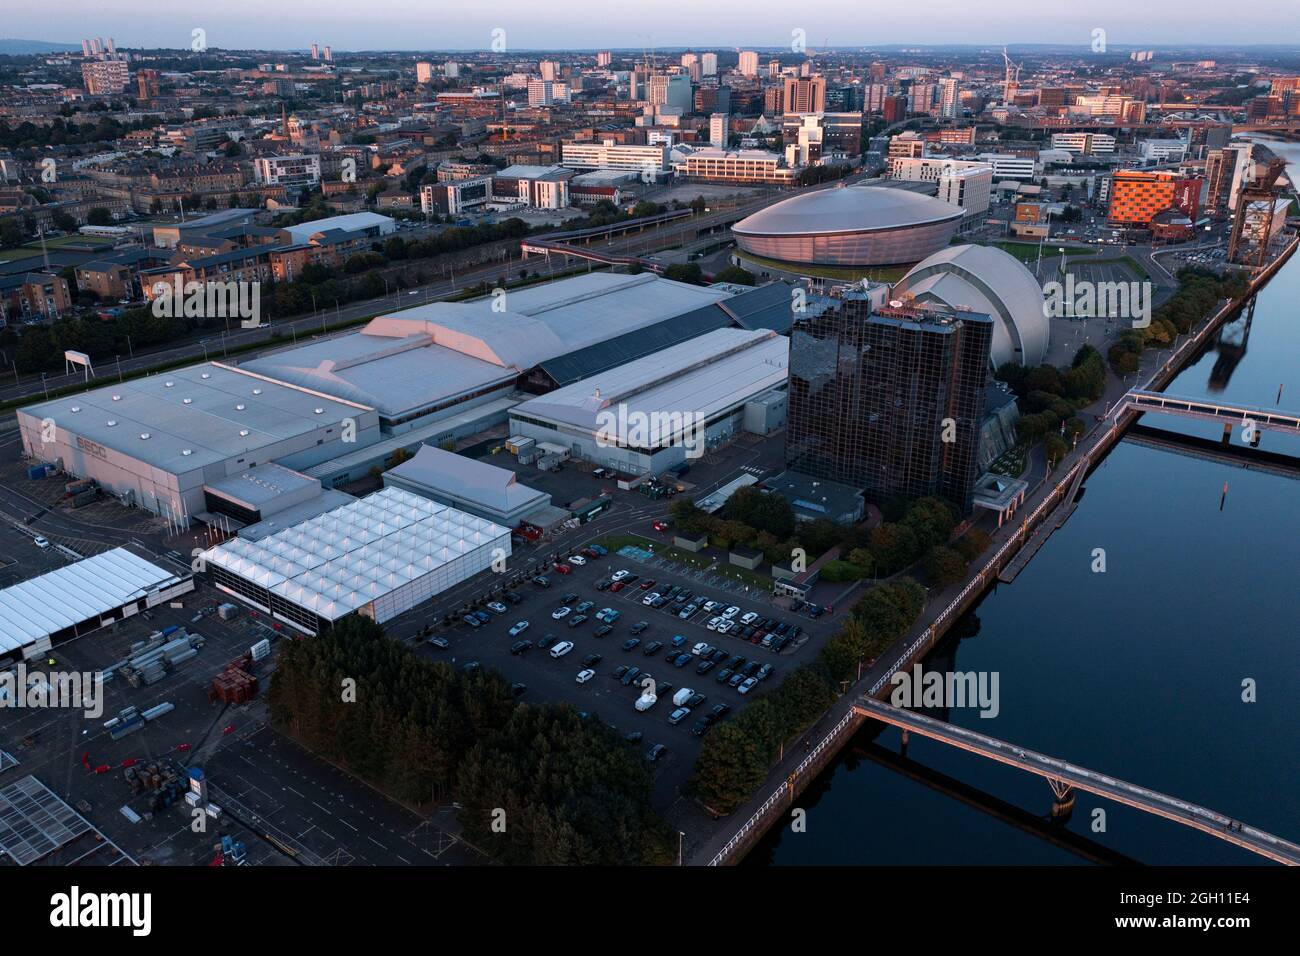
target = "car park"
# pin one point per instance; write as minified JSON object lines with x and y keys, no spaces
{"x":561,"y":612}
{"x":519,"y":628}
{"x":585,"y":675}
{"x":653,"y":648}
{"x":519,"y":647}
{"x":562,"y":648}
{"x":631,"y":643}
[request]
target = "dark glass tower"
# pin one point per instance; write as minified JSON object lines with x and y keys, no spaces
{"x":874,"y":394}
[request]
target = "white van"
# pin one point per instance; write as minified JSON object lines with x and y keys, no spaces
{"x":682,"y":696}
{"x":562,"y":648}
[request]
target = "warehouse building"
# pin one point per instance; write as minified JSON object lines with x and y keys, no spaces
{"x":157,"y":442}
{"x":378,"y":557}
{"x":80,"y":598}
{"x":657,"y":412}
{"x":474,"y":486}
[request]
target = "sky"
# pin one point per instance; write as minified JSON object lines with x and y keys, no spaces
{"x":721,"y":24}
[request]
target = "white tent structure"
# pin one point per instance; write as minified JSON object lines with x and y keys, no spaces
{"x":379,"y":556}
{"x":80,"y":598}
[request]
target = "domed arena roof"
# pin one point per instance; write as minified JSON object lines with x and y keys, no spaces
{"x":850,"y":225}
{"x":986,"y":279}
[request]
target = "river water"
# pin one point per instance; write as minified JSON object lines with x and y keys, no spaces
{"x":1136,"y":672}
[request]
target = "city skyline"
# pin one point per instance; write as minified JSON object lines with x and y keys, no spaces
{"x":238,"y":24}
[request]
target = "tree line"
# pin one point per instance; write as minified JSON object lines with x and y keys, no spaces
{"x":538,"y":784}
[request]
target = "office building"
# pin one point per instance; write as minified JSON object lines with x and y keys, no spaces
{"x":748,"y":63}
{"x":1009,"y":166}
{"x":452,"y":197}
{"x":670,"y":89}
{"x":738,"y":166}
{"x":297,"y":170}
{"x":611,"y":155}
{"x":1088,"y":144}
{"x":805,"y":94}
{"x":874,"y":391}
{"x":1135,"y":197}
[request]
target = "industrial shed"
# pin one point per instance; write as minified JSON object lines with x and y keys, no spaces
{"x":80,"y":598}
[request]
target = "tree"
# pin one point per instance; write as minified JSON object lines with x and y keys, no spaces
{"x":99,"y":216}
{"x":736,"y":275}
{"x":894,"y":546}
{"x":689,"y":272}
{"x":944,"y":566}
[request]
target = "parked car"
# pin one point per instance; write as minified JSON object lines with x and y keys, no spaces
{"x":563,"y":568}
{"x":577,"y":560}
{"x":546,"y":641}
{"x":561,"y":612}
{"x":632,"y":674}
{"x":497,"y":607}
{"x":631,"y":643}
{"x":678,"y":715}
{"x":439,"y":642}
{"x":585,"y":675}
{"x":591,"y":660}
{"x":660,"y":525}
{"x":764,"y":672}
{"x":647,"y":584}
{"x":639,"y":626}
{"x":562,"y":648}
{"x":653,"y":648}
{"x":747,"y":686}
{"x":600,"y":550}
{"x":519,"y":647}
{"x":650,"y":598}
{"x":749,"y":618}
{"x":618,"y":575}
{"x":483,"y":617}
{"x":471,"y":620}
{"x":731,"y":612}
{"x":585,"y":606}
{"x":687,"y":611}
{"x":681,"y":660}
{"x":616,"y":586}
{"x":701,"y":649}
{"x":514,"y":597}
{"x":603,"y":585}
{"x":701,"y":726}
{"x":695,"y":700}
{"x":704,"y":667}
{"x":577,"y":619}
{"x":713,"y":623}
{"x":602,"y":630}
{"x":735,"y":680}
{"x":720,"y":710}
{"x":542,"y":581}
{"x":519,"y":628}
{"x":656,"y":752}
{"x":620,"y":670}
{"x":678,"y":640}
{"x":634,"y":737}
{"x":724,"y":675}
{"x":40,"y":542}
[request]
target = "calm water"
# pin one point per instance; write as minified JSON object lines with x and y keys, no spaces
{"x":1136,"y":672}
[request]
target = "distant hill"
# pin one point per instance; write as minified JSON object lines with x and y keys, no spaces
{"x":29,"y":47}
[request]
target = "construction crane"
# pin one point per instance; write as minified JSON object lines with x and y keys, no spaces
{"x":1011,"y":82}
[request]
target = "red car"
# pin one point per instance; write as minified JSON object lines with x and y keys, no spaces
{"x":660,"y":526}
{"x":562,"y":568}
{"x":616,"y":586}
{"x":647,"y":584}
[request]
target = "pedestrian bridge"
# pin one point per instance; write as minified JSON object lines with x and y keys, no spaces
{"x":1226,"y":413}
{"x":1064,"y":778}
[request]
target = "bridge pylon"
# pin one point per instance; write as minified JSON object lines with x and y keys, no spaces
{"x":1063,"y":805}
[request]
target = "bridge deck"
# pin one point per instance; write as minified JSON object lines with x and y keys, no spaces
{"x":1208,"y":410}
{"x":1171,"y":808}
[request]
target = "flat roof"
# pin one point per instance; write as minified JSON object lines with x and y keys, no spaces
{"x":430,"y":354}
{"x":49,"y":603}
{"x":465,"y":478}
{"x":346,"y":558}
{"x":351,"y":222}
{"x":260,"y":485}
{"x":704,"y":375}
{"x":192,"y":417}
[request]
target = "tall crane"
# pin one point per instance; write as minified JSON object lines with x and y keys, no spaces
{"x":1011,"y":82}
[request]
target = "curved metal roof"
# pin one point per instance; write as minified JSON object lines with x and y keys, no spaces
{"x":847,"y":209}
{"x":986,"y":279}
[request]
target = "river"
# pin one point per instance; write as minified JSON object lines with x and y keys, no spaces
{"x":1136,"y":672}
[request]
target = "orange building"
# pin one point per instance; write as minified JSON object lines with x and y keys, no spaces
{"x":1136,"y":196}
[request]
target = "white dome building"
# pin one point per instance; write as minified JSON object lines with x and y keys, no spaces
{"x":986,"y":279}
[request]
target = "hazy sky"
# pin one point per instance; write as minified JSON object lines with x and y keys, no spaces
{"x":553,"y":24}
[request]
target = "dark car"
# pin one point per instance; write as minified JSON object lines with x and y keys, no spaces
{"x":517,"y":689}
{"x":584,"y":607}
{"x":748,"y":631}
{"x":542,"y":581}
{"x":717,"y":655}
{"x":603,"y":585}
{"x":780,"y":642}
{"x":591,"y":660}
{"x":750,"y":669}
{"x":658,"y":602}
{"x":724,"y":675}
{"x":701,"y":726}
{"x":681,"y":660}
{"x":694,"y":701}
{"x":568,"y":597}
{"x":602,"y":630}
{"x":764,"y":672}
{"x":514,"y":597}
{"x":483,"y":616}
{"x":630,"y":643}
{"x":734,"y":662}
{"x":577,"y":619}
{"x":639,"y":626}
{"x":720,"y":710}
{"x":704,"y":667}
{"x":631,"y":675}
{"x":782,"y":627}
{"x":470,"y":666}
{"x":546,"y":641}
{"x":815,"y":611}
{"x":655,"y":752}
{"x":471,"y":620}
{"x":634,"y":737}
{"x":653,"y":648}
{"x":629,"y":579}
{"x":795,"y":631}
{"x":519,"y":647}
{"x":620,"y":670}
{"x":736,"y":680}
